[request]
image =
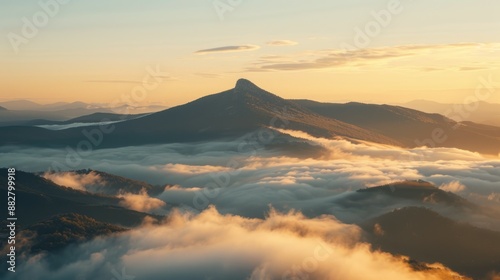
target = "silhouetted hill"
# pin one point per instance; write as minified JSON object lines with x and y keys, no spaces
{"x":429,"y":237}
{"x":2,"y":108}
{"x":410,"y":127}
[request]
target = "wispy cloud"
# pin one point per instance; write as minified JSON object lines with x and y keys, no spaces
{"x":240,"y":48}
{"x":282,"y":43}
{"x":331,"y":58}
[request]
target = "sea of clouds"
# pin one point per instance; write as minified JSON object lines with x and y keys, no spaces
{"x":260,"y":213}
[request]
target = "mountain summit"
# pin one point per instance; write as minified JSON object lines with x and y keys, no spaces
{"x":244,"y":84}
{"x":229,"y":114}
{"x":246,"y":108}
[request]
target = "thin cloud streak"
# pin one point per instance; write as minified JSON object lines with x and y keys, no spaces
{"x":225,"y":49}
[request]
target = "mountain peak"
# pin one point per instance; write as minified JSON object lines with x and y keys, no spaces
{"x":244,"y":83}
{"x":246,"y":88}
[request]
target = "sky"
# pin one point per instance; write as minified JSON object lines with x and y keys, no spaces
{"x":374,"y":51}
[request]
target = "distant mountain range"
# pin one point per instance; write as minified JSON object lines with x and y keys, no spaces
{"x":480,"y":112}
{"x":26,"y":105}
{"x":247,"y":108}
{"x":24,"y":112}
{"x":30,"y":105}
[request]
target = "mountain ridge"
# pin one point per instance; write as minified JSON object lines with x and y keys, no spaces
{"x":232,"y":113}
{"x":246,"y":108}
{"x":411,"y":127}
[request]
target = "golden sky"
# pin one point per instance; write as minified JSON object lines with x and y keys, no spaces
{"x":369,"y":51}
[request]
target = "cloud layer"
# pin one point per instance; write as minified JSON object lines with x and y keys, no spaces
{"x":215,"y":246}
{"x":246,"y":183}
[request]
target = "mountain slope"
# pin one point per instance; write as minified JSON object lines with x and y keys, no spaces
{"x":246,"y":108}
{"x":38,"y":199}
{"x":410,"y":127}
{"x":479,"y":112}
{"x":232,"y":113}
{"x":235,"y":112}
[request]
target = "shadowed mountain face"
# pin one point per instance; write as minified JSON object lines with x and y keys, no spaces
{"x":2,"y":108}
{"x":410,"y":127}
{"x":429,"y":237}
{"x":39,"y":199}
{"x":235,"y":112}
{"x":231,"y":113}
{"x":247,"y":108}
